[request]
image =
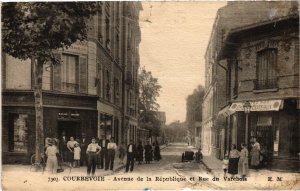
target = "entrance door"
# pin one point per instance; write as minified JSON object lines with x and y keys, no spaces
{"x":265,"y":138}
{"x":72,"y":128}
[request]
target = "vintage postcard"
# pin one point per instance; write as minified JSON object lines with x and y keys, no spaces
{"x":150,"y":95}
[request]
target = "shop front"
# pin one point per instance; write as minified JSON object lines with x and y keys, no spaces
{"x":73,"y":114}
{"x":275,"y":125}
{"x":109,"y":123}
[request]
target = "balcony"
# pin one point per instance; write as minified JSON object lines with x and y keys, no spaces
{"x":265,"y":84}
{"x":69,"y":87}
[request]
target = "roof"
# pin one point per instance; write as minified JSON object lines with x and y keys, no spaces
{"x":237,"y":34}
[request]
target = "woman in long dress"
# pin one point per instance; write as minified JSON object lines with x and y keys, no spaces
{"x":148,"y":153}
{"x":233,"y":161}
{"x":243,"y":162}
{"x":157,"y":155}
{"x":140,"y":152}
{"x":255,"y":154}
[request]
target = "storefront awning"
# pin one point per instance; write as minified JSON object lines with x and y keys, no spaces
{"x":266,"y":105}
{"x":225,"y":112}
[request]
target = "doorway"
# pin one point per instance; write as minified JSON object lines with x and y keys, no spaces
{"x":266,"y":139}
{"x":72,"y":128}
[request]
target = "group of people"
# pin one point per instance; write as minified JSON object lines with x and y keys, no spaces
{"x":97,"y":154}
{"x":237,"y":162}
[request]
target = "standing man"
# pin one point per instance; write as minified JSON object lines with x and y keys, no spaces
{"x":111,"y":151}
{"x":63,"y":149}
{"x":83,"y":145}
{"x":103,"y":143}
{"x":92,"y":151}
{"x":131,"y":152}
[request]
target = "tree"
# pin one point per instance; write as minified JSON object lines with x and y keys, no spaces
{"x":149,"y":90}
{"x":33,"y":30}
{"x":176,"y":131}
{"x":194,"y":108}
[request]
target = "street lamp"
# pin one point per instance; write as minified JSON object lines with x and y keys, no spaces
{"x":247,"y":109}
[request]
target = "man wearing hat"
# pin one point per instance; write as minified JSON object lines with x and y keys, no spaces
{"x":83,"y":145}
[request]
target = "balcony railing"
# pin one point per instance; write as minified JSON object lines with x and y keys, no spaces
{"x":265,"y":84}
{"x":69,"y":87}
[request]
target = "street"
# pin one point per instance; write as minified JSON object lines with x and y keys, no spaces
{"x":169,"y":173}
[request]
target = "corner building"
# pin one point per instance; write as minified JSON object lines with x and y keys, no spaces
{"x":258,"y":52}
{"x":84,"y":94}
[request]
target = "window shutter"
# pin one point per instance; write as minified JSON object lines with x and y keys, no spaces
{"x":83,"y":74}
{"x":57,"y":74}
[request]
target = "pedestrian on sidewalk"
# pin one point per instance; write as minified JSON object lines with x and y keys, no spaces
{"x":225,"y":165}
{"x":111,"y":152}
{"x":92,"y":151}
{"x":122,"y":153}
{"x":243,"y":162}
{"x":148,"y":153}
{"x":63,"y":149}
{"x":51,"y":153}
{"x":233,"y":161}
{"x":255,"y":154}
{"x":157,"y":155}
{"x":140,"y":153}
{"x":103,"y":153}
{"x":71,"y":144}
{"x":83,"y":143}
{"x":131,"y":153}
{"x":77,"y":152}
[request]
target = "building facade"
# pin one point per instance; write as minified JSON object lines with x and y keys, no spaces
{"x":85,"y":93}
{"x":267,"y":77}
{"x":215,"y":141}
{"x":259,"y":54}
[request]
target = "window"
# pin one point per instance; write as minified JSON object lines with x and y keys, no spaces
{"x":266,"y":69}
{"x":236,"y":79}
{"x":69,"y":73}
{"x":107,"y":85}
{"x":98,"y":80}
{"x":117,"y":47}
{"x":116,"y":91}
{"x":18,"y":133}
{"x":107,"y":25}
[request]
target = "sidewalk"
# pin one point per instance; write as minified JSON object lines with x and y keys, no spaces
{"x":74,"y":171}
{"x":213,"y":165}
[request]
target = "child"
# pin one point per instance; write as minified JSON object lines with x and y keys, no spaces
{"x":225,"y":164}
{"x":77,"y":151}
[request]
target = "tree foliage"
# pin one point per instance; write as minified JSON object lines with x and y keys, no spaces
{"x":194,"y":107}
{"x":176,"y":132}
{"x":35,"y":29}
{"x":149,"y":91}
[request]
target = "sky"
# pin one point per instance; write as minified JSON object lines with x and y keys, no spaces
{"x":173,"y":46}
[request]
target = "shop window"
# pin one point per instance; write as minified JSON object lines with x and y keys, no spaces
{"x":18,"y":133}
{"x":266,"y":70}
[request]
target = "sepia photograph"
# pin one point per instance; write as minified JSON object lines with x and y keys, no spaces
{"x":150,"y":95}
